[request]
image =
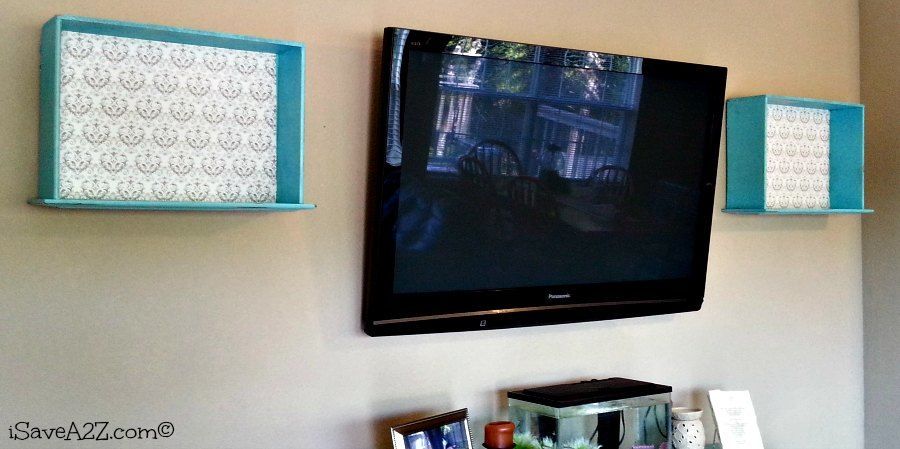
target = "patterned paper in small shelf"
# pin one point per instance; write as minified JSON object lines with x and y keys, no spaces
{"x":158,"y":121}
{"x":797,"y":155}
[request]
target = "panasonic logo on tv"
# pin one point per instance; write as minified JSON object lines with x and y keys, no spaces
{"x":558,"y":296}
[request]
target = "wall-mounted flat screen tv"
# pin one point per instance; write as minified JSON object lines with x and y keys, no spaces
{"x":516,"y":185}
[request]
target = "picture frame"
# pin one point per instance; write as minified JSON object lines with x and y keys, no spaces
{"x":446,"y":431}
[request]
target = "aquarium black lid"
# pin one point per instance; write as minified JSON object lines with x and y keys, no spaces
{"x":586,"y":392}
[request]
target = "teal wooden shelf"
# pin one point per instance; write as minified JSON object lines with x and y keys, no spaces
{"x":169,"y":205}
{"x":228,"y":107}
{"x":751,"y":170}
{"x":797,"y":211}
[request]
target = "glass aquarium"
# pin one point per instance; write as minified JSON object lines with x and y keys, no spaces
{"x":611,"y":413}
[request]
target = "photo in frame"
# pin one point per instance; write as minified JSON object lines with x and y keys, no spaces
{"x":446,"y":431}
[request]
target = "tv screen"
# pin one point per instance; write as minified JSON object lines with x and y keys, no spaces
{"x":519,"y":184}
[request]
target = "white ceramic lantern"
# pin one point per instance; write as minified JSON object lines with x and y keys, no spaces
{"x":687,"y":429}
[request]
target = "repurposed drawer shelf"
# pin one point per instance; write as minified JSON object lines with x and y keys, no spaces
{"x":794,"y":156}
{"x":140,"y":116}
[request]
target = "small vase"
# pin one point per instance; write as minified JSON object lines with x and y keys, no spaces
{"x":687,"y":430}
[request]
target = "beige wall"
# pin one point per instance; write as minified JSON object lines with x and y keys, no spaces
{"x":243,"y":329}
{"x":880,"y":82}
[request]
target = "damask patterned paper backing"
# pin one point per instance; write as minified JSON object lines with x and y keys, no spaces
{"x":157,"y":121}
{"x":797,"y":157}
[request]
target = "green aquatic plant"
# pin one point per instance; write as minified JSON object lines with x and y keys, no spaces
{"x":580,"y":443}
{"x":529,"y":441}
{"x":526,"y":441}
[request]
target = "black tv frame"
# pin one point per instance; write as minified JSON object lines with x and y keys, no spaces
{"x":387,"y":313}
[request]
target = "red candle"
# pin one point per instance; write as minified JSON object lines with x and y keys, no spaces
{"x":499,"y":435}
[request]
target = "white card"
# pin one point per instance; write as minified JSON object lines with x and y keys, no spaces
{"x":735,"y":419}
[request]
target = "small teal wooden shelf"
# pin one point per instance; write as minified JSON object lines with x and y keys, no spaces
{"x":168,"y":205}
{"x":289,"y":88}
{"x":797,"y":211}
{"x":746,"y":156}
